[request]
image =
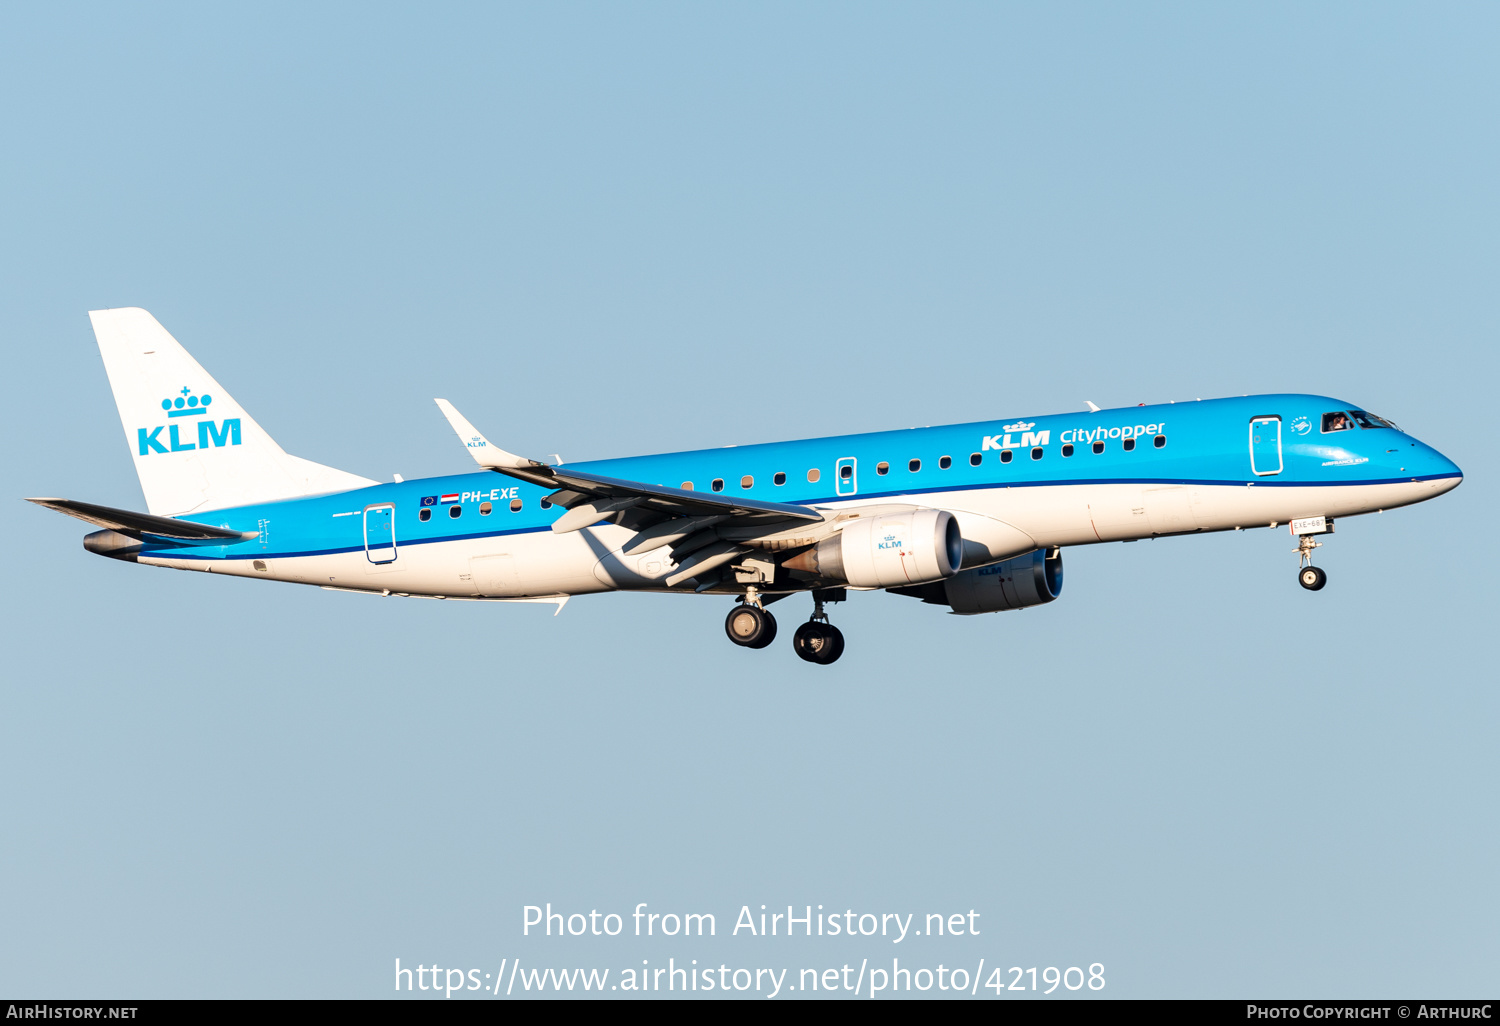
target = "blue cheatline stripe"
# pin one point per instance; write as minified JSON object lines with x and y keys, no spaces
{"x":544,"y":528}
{"x":401,"y":543}
{"x":1053,"y":483}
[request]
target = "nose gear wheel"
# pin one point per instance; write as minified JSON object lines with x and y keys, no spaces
{"x":1310,"y":577}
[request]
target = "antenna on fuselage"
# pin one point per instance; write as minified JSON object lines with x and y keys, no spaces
{"x":1091,"y":406}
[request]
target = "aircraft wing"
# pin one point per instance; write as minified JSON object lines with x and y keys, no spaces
{"x":137,"y":524}
{"x":590,"y":498}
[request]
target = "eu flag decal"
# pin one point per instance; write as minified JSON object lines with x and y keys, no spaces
{"x":429,"y":500}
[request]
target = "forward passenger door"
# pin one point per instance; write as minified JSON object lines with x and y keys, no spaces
{"x":1265,"y":446}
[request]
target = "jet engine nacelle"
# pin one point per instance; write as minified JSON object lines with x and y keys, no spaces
{"x":1027,"y":580}
{"x":889,"y":549}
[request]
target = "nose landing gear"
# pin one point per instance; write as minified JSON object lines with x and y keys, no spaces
{"x":1310,"y":577}
{"x":817,"y":640}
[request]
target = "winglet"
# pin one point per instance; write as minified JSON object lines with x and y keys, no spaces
{"x":486,"y":455}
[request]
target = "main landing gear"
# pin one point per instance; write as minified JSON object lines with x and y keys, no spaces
{"x":1310,"y":577}
{"x":750,"y":625}
{"x":817,"y":641}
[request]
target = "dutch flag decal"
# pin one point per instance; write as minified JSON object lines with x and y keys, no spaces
{"x":450,"y":497}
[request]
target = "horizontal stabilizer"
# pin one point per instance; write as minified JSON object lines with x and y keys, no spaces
{"x":137,"y":524}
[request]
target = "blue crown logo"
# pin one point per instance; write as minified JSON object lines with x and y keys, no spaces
{"x":187,"y":404}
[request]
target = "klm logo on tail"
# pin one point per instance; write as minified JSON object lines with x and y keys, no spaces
{"x":226,"y":432}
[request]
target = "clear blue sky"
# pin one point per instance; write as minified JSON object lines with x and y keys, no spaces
{"x":611,"y":229}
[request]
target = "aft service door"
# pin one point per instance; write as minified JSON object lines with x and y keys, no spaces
{"x":1265,"y":446}
{"x":380,"y":534}
{"x":846,"y":476}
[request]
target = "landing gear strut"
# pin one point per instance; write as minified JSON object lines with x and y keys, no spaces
{"x":1310,"y":577}
{"x":817,"y":640}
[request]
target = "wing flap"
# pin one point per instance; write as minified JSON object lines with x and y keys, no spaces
{"x":576,"y":488}
{"x":675,"y":500}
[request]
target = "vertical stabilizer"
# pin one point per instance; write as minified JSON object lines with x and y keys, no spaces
{"x":194,"y":447}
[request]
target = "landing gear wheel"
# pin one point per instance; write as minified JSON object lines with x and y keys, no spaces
{"x":835,"y":645}
{"x":1312,"y":578}
{"x":818,"y":642}
{"x":750,"y":626}
{"x":768,"y":635}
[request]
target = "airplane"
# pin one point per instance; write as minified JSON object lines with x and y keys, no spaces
{"x":972,"y":517}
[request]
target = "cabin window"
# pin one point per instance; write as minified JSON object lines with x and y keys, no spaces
{"x":1338,"y":420}
{"x":424,"y":515}
{"x":545,"y":503}
{"x":1068,"y":449}
{"x":914,"y":466}
{"x":882,"y":469}
{"x":1036,"y":453}
{"x":1006,"y":455}
{"x":485,"y":508}
{"x":975,"y":459}
{"x":944,"y":462}
{"x":515,"y":505}
{"x":779,"y":479}
{"x":718,"y":484}
{"x":1160,"y":441}
{"x":455,"y":511}
{"x":813,"y":475}
{"x":846,"y":471}
{"x":747,"y":481}
{"x":1098,"y":448}
{"x":1128,"y":445}
{"x":687,"y":486}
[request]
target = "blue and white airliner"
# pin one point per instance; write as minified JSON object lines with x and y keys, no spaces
{"x":973,"y":517}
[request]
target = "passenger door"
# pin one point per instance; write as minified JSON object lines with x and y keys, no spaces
{"x":1265,"y":446}
{"x":380,"y":533}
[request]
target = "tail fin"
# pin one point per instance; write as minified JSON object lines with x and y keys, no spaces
{"x":195,"y":448}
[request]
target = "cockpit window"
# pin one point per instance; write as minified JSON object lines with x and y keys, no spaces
{"x":1369,"y":420}
{"x":1338,"y":420}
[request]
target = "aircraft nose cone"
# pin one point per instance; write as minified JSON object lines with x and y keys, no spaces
{"x":1443,"y":465}
{"x":1451,"y":468}
{"x":1443,"y":473}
